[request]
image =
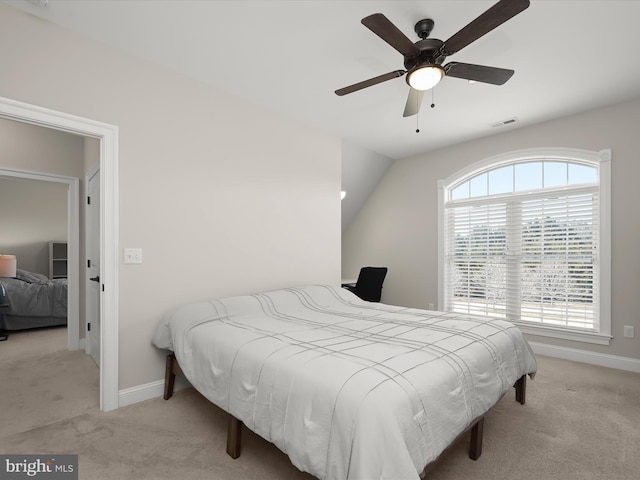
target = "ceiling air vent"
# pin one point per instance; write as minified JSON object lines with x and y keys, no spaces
{"x":502,"y":123}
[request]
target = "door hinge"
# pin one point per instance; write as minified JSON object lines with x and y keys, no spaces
{"x":88,"y":263}
{"x":88,"y":327}
{"x":88,"y":200}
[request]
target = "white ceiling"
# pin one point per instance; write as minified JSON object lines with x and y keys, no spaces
{"x":290,"y":56}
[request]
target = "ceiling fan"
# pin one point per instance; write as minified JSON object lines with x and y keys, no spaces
{"x":423,"y":59}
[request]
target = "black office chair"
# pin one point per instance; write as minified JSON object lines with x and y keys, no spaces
{"x":369,"y":284}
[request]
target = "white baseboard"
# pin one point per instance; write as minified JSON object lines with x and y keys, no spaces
{"x":140,"y":393}
{"x":585,"y":356}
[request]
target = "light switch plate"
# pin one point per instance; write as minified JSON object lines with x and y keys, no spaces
{"x":629,"y":331}
{"x":132,"y":255}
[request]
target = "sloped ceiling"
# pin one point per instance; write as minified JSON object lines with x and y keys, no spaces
{"x":289,"y":56}
{"x":362,"y":170}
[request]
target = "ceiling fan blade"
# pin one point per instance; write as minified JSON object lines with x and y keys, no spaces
{"x":492,"y":18}
{"x":414,"y":100}
{"x":478,"y":73}
{"x":387,"y":31}
{"x":368,"y":83}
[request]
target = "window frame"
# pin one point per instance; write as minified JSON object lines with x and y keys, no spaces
{"x":599,"y":159}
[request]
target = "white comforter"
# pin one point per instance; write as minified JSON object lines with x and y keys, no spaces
{"x":347,"y":388}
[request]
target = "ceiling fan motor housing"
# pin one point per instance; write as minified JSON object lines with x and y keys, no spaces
{"x":429,"y":54}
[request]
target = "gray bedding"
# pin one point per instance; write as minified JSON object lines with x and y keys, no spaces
{"x":22,"y":322}
{"x":34,"y":295}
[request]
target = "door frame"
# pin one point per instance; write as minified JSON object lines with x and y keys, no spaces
{"x":108,"y":136}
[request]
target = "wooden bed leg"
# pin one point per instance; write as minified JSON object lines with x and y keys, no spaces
{"x":234,"y":434}
{"x":475,"y":447}
{"x":169,"y":376}
{"x":521,"y":389}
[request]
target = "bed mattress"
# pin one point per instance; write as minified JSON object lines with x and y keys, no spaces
{"x":348,"y":389}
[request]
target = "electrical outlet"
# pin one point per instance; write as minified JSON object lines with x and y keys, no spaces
{"x":132,"y":255}
{"x":629,"y":331}
{"x":431,"y":306}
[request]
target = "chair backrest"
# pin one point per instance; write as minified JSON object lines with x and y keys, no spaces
{"x":369,"y":284}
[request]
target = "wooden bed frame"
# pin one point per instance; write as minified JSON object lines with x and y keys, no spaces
{"x":234,"y":428}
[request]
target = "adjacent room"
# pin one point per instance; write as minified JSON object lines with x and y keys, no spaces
{"x":43,"y":269}
{"x":36,"y":226}
{"x":194,"y":193}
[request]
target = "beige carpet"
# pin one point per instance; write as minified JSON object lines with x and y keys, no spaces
{"x":580,"y":422}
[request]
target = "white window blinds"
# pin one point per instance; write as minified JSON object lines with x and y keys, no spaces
{"x":528,"y":256}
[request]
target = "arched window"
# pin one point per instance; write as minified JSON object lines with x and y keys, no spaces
{"x":525,"y":237}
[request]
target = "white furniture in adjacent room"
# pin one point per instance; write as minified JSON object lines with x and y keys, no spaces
{"x":57,"y":260}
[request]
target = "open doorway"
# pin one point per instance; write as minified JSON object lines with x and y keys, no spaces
{"x":108,"y":165}
{"x":72,"y":240}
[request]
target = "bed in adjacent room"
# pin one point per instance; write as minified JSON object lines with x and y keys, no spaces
{"x":348,"y":389}
{"x":35,"y":301}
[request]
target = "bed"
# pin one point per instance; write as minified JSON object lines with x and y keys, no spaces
{"x":348,"y":389}
{"x":35,"y":301}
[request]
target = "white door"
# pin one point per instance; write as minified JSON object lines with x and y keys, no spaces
{"x":93,"y":268}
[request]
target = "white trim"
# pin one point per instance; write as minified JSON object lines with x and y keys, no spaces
{"x":108,"y":136}
{"x":442,"y":200}
{"x":73,"y":240}
{"x":140,"y":393}
{"x":565,"y":334}
{"x":109,"y":207}
{"x":605,"y":241}
{"x":584,"y":356}
{"x":73,"y":265}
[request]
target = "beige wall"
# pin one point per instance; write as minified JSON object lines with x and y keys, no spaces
{"x":398,"y":225}
{"x":223,"y":197}
{"x":33,"y":211}
{"x":36,"y":149}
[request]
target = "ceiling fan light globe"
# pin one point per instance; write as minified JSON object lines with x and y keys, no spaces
{"x":425,"y":78}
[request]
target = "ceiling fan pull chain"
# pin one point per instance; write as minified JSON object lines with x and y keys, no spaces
{"x":417,"y":114}
{"x":433,"y":103}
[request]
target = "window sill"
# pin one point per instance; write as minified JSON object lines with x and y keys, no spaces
{"x":575,"y":335}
